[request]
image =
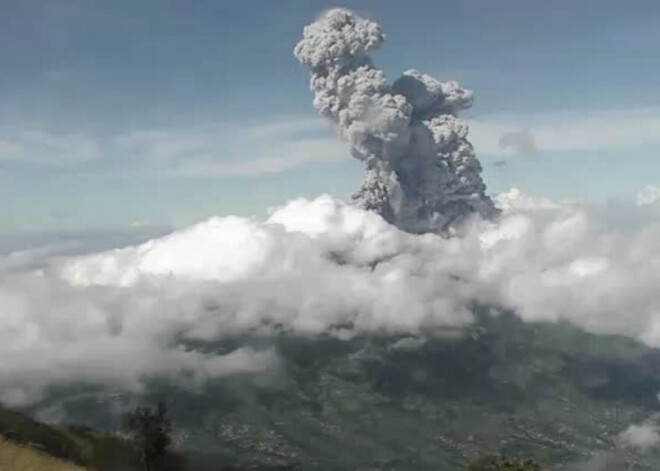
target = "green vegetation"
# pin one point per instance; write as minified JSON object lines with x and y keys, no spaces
{"x":545,"y":391}
{"x":500,"y":463}
{"x":29,"y":445}
{"x":35,"y":446}
{"x":150,"y":431}
{"x":77,"y":445}
{"x":14,"y":457}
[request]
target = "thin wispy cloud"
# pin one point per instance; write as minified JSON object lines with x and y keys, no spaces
{"x":233,"y":150}
{"x":279,"y":144}
{"x":207,"y":150}
{"x":521,"y":142}
{"x":49,"y":148}
{"x":287,"y":156}
{"x":563,"y":131}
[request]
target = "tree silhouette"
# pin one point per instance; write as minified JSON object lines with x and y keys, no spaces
{"x":500,"y":463}
{"x":150,"y":431}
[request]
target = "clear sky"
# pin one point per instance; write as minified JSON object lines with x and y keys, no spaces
{"x":139,"y":113}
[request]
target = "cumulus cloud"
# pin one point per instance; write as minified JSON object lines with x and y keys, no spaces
{"x":78,"y":241}
{"x":35,"y":257}
{"x":642,"y":437}
{"x":54,"y":335}
{"x":649,"y":196}
{"x":514,"y":199}
{"x":313,"y":267}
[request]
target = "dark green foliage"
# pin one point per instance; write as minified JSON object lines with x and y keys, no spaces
{"x":546,"y":391}
{"x":77,"y":444}
{"x":25,"y":431}
{"x":500,"y":463}
{"x":150,"y":430}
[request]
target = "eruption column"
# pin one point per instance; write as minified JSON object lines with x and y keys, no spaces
{"x":422,"y":172}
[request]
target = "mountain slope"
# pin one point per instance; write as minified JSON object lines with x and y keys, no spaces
{"x":29,"y":444}
{"x":14,"y":457}
{"x":546,"y":391}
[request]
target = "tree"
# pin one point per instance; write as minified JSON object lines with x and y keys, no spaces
{"x":500,"y":463}
{"x":150,"y":431}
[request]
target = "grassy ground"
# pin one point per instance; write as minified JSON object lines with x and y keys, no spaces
{"x":14,"y":457}
{"x":29,"y":445}
{"x":83,"y":448}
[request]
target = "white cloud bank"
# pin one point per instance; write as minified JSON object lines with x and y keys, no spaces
{"x":313,"y":266}
{"x":642,"y":437}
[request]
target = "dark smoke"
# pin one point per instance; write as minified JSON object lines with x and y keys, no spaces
{"x":422,"y":172}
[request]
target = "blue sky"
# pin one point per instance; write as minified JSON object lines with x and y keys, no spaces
{"x":144,"y":113}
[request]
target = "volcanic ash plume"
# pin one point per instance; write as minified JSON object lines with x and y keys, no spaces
{"x":422,"y":172}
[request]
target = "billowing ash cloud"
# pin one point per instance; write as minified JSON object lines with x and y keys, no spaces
{"x":422,"y":172}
